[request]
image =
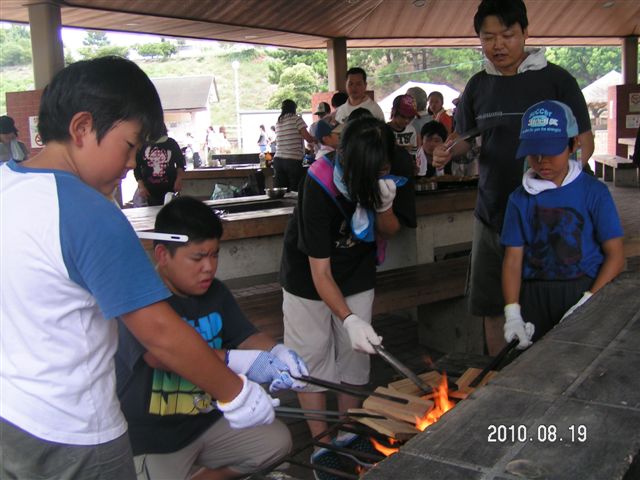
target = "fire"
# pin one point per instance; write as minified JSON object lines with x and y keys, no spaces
{"x":441,"y":405}
{"x":383,"y":449}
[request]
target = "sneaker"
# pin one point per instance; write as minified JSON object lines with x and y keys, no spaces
{"x":325,"y":458}
{"x":358,"y":443}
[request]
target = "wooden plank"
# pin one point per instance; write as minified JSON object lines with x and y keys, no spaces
{"x":416,"y":408}
{"x":464,"y":390}
{"x":391,"y":428}
{"x":405,"y":385}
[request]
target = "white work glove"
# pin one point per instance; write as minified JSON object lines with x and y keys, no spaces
{"x":387,"y":189}
{"x":361,"y":334}
{"x":515,"y":327}
{"x":294,"y":362}
{"x":260,"y":367}
{"x":251,"y":407}
{"x":585,"y":296}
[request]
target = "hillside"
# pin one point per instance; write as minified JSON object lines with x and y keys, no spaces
{"x":253,"y":85}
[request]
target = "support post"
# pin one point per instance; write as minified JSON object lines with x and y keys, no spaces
{"x":337,"y":63}
{"x":45,"y":23}
{"x":630,"y":60}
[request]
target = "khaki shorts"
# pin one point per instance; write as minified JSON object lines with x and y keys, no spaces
{"x":245,"y":451}
{"x":25,"y":456}
{"x":485,"y":280}
{"x":322,"y":341}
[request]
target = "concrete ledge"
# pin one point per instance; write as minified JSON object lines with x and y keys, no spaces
{"x":582,"y":377}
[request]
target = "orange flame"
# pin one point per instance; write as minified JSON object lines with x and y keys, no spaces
{"x":386,"y":451}
{"x":441,"y":405}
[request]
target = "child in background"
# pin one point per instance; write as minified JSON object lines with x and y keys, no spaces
{"x":403,"y":112}
{"x":329,"y":137}
{"x":437,"y":111}
{"x":562,"y":234}
{"x":71,"y":262}
{"x":173,"y":425}
{"x":433,"y":135}
{"x":10,"y":147}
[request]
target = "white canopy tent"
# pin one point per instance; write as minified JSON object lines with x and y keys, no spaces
{"x":597,"y":92}
{"x":448,"y":93}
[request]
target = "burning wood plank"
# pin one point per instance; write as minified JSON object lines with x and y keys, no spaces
{"x":415,"y":408}
{"x":391,"y":428}
{"x":464,"y":390}
{"x":405,"y":385}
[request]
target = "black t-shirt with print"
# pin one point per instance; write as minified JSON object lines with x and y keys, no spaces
{"x":159,"y":405}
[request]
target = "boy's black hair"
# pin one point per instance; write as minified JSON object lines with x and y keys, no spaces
{"x":366,"y":147}
{"x":434,"y":128}
{"x":187,"y":216}
{"x":339,"y":98}
{"x":111,"y":89}
{"x":508,"y":11}
{"x":359,"y":113}
{"x":357,"y":71}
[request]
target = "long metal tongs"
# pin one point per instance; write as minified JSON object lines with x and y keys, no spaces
{"x":356,"y":392}
{"x":403,"y":370}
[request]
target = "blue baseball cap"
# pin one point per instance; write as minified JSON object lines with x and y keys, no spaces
{"x":324,"y":129}
{"x":546,"y":129}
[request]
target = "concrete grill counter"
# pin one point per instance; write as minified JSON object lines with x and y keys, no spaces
{"x":253,"y":237}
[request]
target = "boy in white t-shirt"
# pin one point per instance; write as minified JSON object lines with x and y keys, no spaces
{"x":71,"y":263}
{"x":403,"y":112}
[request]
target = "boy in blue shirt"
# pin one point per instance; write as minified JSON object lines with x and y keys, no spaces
{"x":71,"y":262}
{"x":561,"y":233}
{"x":172,"y":424}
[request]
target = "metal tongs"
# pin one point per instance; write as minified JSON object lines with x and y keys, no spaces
{"x":469,"y":134}
{"x":402,"y":369}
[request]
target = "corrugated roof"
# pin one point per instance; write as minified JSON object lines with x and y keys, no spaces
{"x":186,"y":93}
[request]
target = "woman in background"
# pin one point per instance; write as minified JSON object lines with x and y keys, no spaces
{"x":291,"y":130}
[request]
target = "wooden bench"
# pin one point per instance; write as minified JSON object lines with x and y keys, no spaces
{"x":396,"y":289}
{"x":622,"y":171}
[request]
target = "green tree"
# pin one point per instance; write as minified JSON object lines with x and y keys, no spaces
{"x":15,"y":46}
{"x":95,"y":39}
{"x":586,"y":64}
{"x":160,"y":49}
{"x":281,"y":59}
{"x":298,"y":83}
{"x":87,"y":53}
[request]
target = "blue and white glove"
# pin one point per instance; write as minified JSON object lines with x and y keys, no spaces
{"x":294,"y":362}
{"x":251,"y":407}
{"x":260,"y":367}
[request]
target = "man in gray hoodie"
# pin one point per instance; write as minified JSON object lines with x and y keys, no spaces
{"x":494,"y":100}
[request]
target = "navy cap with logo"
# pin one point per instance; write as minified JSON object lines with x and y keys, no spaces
{"x":546,"y":129}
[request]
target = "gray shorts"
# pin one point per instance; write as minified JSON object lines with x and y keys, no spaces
{"x":27,"y":457}
{"x":485,"y":279}
{"x":244,"y":451}
{"x":322,"y":341}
